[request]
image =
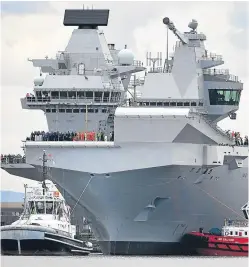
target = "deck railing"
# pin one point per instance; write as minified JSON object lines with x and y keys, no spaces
{"x":12,"y":159}
{"x":236,"y":223}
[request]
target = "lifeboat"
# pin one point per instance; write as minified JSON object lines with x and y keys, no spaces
{"x":231,"y":240}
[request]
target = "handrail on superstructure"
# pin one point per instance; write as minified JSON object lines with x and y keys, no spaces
{"x":221,"y":72}
{"x":94,"y":100}
{"x":214,"y":126}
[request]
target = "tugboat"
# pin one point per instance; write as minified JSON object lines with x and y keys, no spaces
{"x":232,"y":240}
{"x":44,"y":227}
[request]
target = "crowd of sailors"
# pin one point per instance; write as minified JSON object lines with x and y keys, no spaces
{"x":239,"y":141}
{"x":12,"y":159}
{"x":70,"y":136}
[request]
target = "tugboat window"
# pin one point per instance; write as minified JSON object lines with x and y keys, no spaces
{"x":224,"y":97}
{"x":49,"y":207}
{"x":40,"y":207}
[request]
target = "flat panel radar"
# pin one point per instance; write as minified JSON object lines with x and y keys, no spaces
{"x":86,"y":17}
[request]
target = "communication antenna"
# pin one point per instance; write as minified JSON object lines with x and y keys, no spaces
{"x":44,"y":170}
{"x":153,"y":60}
{"x":167,"y":51}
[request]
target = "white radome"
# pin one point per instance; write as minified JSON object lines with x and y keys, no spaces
{"x":38,"y":81}
{"x":125,"y":57}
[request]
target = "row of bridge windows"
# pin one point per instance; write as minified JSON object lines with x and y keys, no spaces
{"x":75,"y":110}
{"x":97,"y":96}
{"x":171,"y":104}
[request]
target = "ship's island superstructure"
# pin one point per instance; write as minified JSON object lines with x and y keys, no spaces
{"x":165,"y":173}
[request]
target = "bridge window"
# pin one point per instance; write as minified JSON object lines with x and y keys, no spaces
{"x":63,"y":95}
{"x":53,"y":110}
{"x":96,"y":110}
{"x":54,"y":94}
{"x":76,"y":110}
{"x":62,"y":110}
{"x":172,"y":104}
{"x":90,"y":110}
{"x":81,"y":95}
{"x":113,"y":96}
{"x":49,"y":207}
{"x":89,"y":95}
{"x":186,"y":104}
{"x":159,"y":104}
{"x":98,"y":96}
{"x":71,"y":94}
{"x":231,"y":233}
{"x":48,"y":110}
{"x":106,"y":96}
{"x":193,"y":104}
{"x":68,"y":110}
{"x":179,"y":104}
{"x":224,"y":97}
{"x":83,"y":110}
{"x":166,"y":104}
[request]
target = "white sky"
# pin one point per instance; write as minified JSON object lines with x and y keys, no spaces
{"x":35,"y":30}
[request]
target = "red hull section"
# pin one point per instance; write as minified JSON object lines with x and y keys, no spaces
{"x":214,"y":245}
{"x":217,"y":252}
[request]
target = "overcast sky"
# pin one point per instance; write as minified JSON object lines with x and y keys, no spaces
{"x":35,"y":29}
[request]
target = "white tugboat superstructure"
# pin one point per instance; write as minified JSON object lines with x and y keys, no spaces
{"x":44,"y":226}
{"x":165,"y":173}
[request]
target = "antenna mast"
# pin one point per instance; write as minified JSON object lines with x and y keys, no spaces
{"x":167,"y":51}
{"x":44,"y":171}
{"x":153,"y":60}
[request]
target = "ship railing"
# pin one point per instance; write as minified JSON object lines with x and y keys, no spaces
{"x":138,"y":82}
{"x":72,"y":100}
{"x":12,"y":159}
{"x":156,"y":70}
{"x":216,"y":71}
{"x":222,"y":73}
{"x":104,"y":57}
{"x":138,"y":63}
{"x":215,"y":127}
{"x":236,"y":223}
{"x":213,"y":57}
{"x":195,"y":36}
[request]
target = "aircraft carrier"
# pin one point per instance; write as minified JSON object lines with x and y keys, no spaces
{"x":170,"y":169}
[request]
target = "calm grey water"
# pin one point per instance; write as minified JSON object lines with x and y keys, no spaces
{"x":116,"y":261}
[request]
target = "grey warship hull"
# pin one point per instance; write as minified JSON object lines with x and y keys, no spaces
{"x":122,"y":223}
{"x":148,"y":211}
